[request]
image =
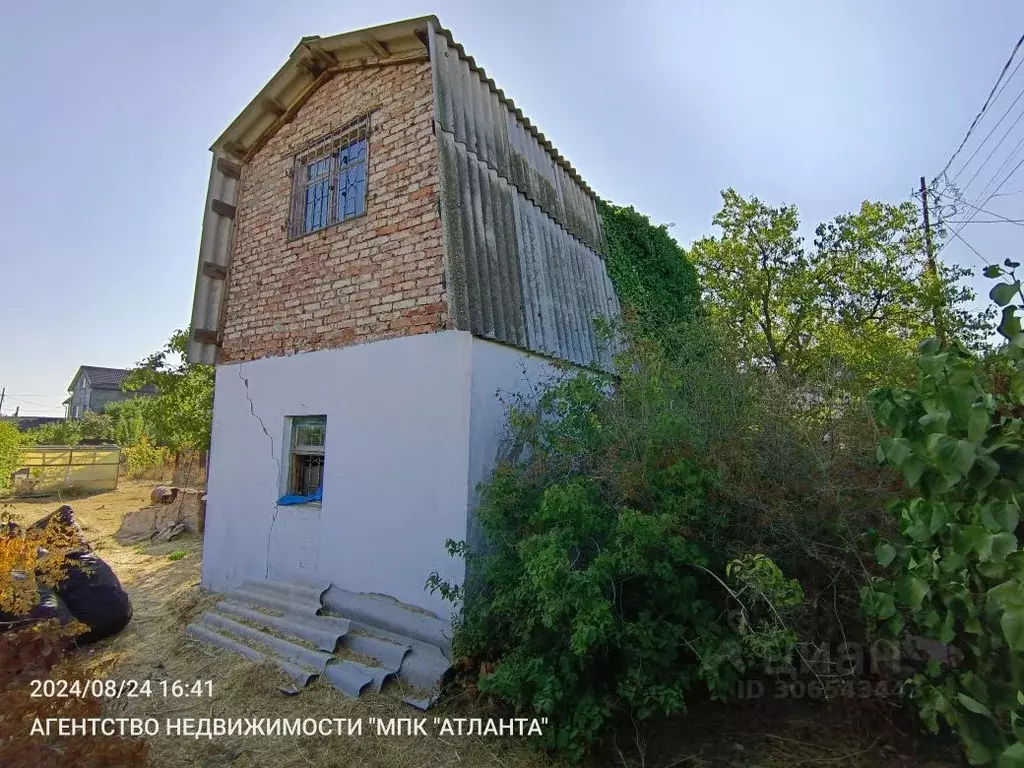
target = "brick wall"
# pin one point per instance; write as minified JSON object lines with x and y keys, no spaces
{"x":372,"y":277}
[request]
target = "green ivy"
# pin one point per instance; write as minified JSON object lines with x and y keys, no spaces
{"x":956,"y":572}
{"x":649,"y":270}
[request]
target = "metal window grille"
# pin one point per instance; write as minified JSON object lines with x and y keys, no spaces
{"x":309,"y":435}
{"x":329,"y":180}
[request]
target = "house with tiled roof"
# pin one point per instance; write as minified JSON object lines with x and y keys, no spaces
{"x":93,"y":387}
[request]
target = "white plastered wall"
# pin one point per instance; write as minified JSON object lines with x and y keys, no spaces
{"x":413,"y":425}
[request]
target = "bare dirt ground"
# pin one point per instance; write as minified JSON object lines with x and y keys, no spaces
{"x":166,"y":595}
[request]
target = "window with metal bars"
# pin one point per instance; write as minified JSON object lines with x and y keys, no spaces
{"x":306,"y":467}
{"x":329,"y":180}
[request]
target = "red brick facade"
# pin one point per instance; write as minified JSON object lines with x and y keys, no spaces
{"x":372,"y":277}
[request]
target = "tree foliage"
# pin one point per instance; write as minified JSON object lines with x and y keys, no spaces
{"x":65,"y":432}
{"x":620,"y":525}
{"x":955,"y":573}
{"x":855,"y":304}
{"x":129,"y":421}
{"x":650,"y":272}
{"x":181,"y":412}
{"x":12,"y":442}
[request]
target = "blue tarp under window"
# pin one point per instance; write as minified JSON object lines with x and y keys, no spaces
{"x":291,"y":498}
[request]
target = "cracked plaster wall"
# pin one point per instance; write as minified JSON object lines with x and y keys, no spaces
{"x":396,"y":467}
{"x":413,"y":424}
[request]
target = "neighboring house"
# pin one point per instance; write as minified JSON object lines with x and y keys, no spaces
{"x":93,"y":387}
{"x":388,"y":243}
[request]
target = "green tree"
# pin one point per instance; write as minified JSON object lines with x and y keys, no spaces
{"x":11,"y":444}
{"x":180,"y":414}
{"x":66,"y":432}
{"x":96,"y":426}
{"x":855,"y":303}
{"x":129,"y":417}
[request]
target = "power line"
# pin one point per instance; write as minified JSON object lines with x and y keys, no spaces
{"x":988,"y":135}
{"x":1007,"y":81}
{"x":1019,"y":222}
{"x":37,"y":405}
{"x":1017,"y":166}
{"x":1006,"y":161}
{"x":992,"y":152}
{"x":978,"y":209}
{"x":984,"y":106}
{"x":975,"y":250}
{"x":51,"y":394}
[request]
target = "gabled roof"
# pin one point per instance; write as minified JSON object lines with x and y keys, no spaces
{"x":100,"y":378}
{"x":316,"y":59}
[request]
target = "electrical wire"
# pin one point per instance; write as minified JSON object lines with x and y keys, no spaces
{"x":988,"y":135}
{"x":974,"y":250}
{"x":987,"y":191}
{"x":979,"y":207}
{"x":1019,"y":222}
{"x":52,"y":394}
{"x":37,"y":405}
{"x":984,"y":106}
{"x":1008,"y":176}
{"x":980,"y":210}
{"x":992,"y":152}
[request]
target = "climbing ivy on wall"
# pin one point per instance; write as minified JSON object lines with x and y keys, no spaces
{"x":650,"y":271}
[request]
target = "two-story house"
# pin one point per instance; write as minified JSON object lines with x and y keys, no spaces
{"x":388,"y":244}
{"x":93,"y":387}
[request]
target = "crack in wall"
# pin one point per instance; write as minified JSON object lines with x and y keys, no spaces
{"x":277,"y":461}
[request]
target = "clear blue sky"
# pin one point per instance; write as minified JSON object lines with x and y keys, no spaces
{"x":110,"y":107}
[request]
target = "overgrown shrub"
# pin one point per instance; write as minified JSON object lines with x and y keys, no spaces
{"x":12,"y":442}
{"x":129,"y":421}
{"x":143,"y":459}
{"x":66,"y":432}
{"x":633,"y":533}
{"x":955,"y":572}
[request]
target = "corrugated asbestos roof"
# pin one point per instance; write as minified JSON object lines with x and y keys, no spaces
{"x":522,"y":234}
{"x":316,"y":56}
{"x":280,"y":622}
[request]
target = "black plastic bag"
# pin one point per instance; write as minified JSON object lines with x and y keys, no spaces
{"x":94,"y":596}
{"x":49,"y":606}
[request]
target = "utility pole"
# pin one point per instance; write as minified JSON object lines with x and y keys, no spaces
{"x":2,"y":393}
{"x":933,"y":270}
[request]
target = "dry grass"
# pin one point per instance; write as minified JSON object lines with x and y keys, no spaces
{"x":166,"y":596}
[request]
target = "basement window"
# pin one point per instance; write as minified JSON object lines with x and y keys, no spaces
{"x":329,"y":180}
{"x":306,"y":460}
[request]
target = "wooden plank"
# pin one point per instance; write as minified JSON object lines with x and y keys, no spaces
{"x":223,"y":209}
{"x":206,"y":336}
{"x":228,"y":168}
{"x":379,"y":49}
{"x":235,"y":148}
{"x":275,"y":107}
{"x":215,"y":271}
